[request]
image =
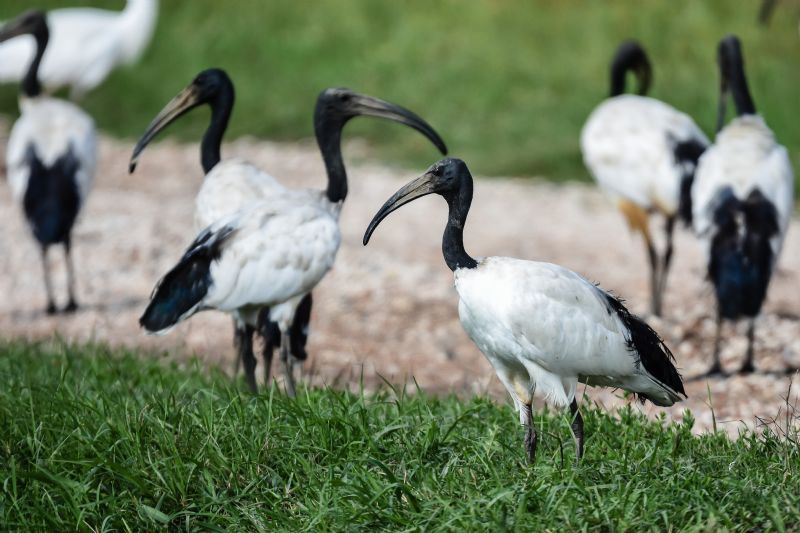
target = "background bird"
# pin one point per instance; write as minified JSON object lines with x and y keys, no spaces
{"x":542,"y":327}
{"x":50,"y":158}
{"x":643,"y":153}
{"x":743,"y":200}
{"x":232,"y":183}
{"x":269,"y":254}
{"x":86,"y":44}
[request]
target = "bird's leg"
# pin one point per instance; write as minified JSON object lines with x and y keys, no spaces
{"x":72,"y":304}
{"x":286,"y":357}
{"x":577,"y":429}
{"x":655,"y":299}
{"x":48,"y":286}
{"x":747,"y":367}
{"x":716,"y":366}
{"x":666,"y":260}
{"x":244,"y":334}
{"x":530,"y":432}
{"x":236,"y":341}
{"x":272,"y":337}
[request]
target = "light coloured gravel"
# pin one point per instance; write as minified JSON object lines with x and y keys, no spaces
{"x":388,"y":311}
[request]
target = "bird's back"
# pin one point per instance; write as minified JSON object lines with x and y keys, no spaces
{"x":744,"y":157}
{"x":743,"y":201}
{"x":517,"y":310}
{"x":232,"y":185}
{"x":632,"y":146}
{"x":53,"y":127}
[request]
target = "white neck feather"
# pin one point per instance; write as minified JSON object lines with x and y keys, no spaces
{"x":136,"y":24}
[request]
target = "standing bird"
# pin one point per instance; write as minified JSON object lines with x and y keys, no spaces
{"x":743,"y":200}
{"x":232,"y":184}
{"x":50,"y":157}
{"x":643,"y":153}
{"x":542,"y":327}
{"x":85,"y":45}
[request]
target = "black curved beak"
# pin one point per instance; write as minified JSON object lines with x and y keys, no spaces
{"x":362,"y":104}
{"x":185,"y":100}
{"x":418,"y":188}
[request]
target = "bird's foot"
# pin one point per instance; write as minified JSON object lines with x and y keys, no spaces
{"x":530,"y":445}
{"x":71,"y":307}
{"x":747,"y":368}
{"x":715,"y":371}
{"x":51,"y":309}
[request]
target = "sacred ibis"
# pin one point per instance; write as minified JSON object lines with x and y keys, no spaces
{"x":643,"y":153}
{"x":743,"y":199}
{"x":232,"y":184}
{"x":85,"y":45}
{"x":50,"y":158}
{"x":542,"y":327}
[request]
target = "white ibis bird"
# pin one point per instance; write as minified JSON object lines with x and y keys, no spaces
{"x":542,"y":327}
{"x":85,"y":45}
{"x":50,"y":157}
{"x":643,"y":153}
{"x":743,"y":199}
{"x":232,"y":184}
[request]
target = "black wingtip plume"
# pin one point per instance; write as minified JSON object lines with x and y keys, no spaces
{"x":630,"y":57}
{"x":653,"y":353}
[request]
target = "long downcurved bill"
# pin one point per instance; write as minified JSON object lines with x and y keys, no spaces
{"x":375,"y":107}
{"x":418,"y":188}
{"x":183,"y":102}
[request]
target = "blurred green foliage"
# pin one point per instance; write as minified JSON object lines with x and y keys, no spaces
{"x":508,"y":84}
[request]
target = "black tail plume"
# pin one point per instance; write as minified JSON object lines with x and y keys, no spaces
{"x":180,"y":291}
{"x":741,"y":258}
{"x":649,"y":347}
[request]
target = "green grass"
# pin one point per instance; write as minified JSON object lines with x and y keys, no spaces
{"x":92,"y":439}
{"x":507,"y":84}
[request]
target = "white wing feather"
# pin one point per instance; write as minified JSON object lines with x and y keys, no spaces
{"x":627,"y":144}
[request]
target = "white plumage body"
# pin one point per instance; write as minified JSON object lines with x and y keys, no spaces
{"x":545,"y":328}
{"x":85,"y":45}
{"x":52,"y":127}
{"x":232,"y":185}
{"x":744,"y":157}
{"x":628,"y":145}
{"x":261,"y":264}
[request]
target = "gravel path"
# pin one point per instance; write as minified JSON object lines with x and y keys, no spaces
{"x":389,"y":310}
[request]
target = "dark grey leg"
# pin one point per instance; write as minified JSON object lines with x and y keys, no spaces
{"x":288,"y":365}
{"x":747,"y":367}
{"x":655,"y":301}
{"x":577,"y":429}
{"x":244,"y":334}
{"x":716,"y":366}
{"x":237,"y":364}
{"x":530,"y":436}
{"x":271,"y":336}
{"x":48,"y":286}
{"x":72,"y":304}
{"x":666,"y":260}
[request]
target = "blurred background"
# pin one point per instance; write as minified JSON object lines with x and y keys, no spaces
{"x":509,"y":84}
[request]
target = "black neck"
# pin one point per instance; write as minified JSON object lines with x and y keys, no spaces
{"x":329,"y":140}
{"x":30,"y":83}
{"x":630,"y":57}
{"x":740,"y":91}
{"x":221,"y":107}
{"x":453,"y":239}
